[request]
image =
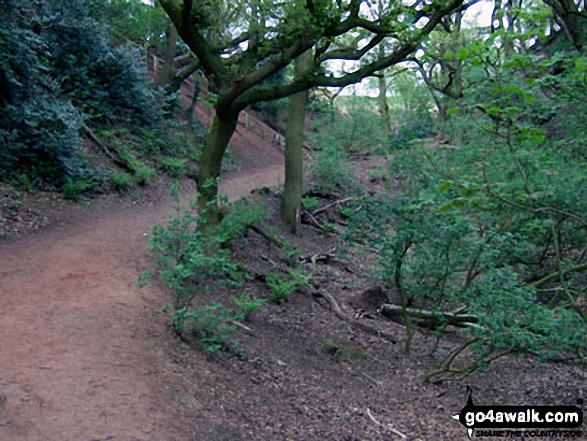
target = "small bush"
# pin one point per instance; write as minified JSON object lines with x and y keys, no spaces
{"x":310,"y":203}
{"x":332,"y":174}
{"x":143,"y":173}
{"x":193,"y":264}
{"x":282,"y":285}
{"x":213,"y":324}
{"x":74,"y":187}
{"x":171,"y":165}
{"x":121,"y":180}
{"x":246,"y":305}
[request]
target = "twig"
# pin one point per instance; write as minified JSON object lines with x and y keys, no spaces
{"x":326,"y":207}
{"x":239,"y":324}
{"x":369,"y":377}
{"x":317,"y":224}
{"x":387,"y":426}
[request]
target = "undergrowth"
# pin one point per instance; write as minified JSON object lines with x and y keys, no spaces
{"x":194,"y":265}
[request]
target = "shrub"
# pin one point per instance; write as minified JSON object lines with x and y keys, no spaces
{"x":283,"y":284}
{"x":358,"y":131}
{"x":332,"y":174}
{"x":310,"y":203}
{"x":246,"y":305}
{"x":73,"y":188}
{"x":494,"y":222}
{"x":143,"y":173}
{"x":121,"y":180}
{"x":51,"y":81}
{"x":171,"y":165}
{"x":105,"y":82}
{"x":192,"y":265}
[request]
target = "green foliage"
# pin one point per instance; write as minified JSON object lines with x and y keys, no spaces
{"x":517,"y":320}
{"x":54,"y":78}
{"x":409,"y":111}
{"x":142,"y":172}
{"x":105,"y":82}
{"x":121,"y":180}
{"x":171,"y":165}
{"x":377,"y":174}
{"x":132,"y":22}
{"x":195,"y":264}
{"x":354,"y":129}
{"x":332,"y":173}
{"x":283,"y":284}
{"x":246,"y":305}
{"x":73,"y":188}
{"x":310,"y":203}
{"x":213,"y":323}
{"x":495,"y":219}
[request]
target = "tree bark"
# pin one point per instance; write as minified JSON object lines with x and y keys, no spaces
{"x":382,"y":98}
{"x":165,"y":74}
{"x":208,"y":174}
{"x":291,"y":202}
{"x":383,"y":106}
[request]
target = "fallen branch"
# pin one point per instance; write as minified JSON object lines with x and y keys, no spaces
{"x":100,"y":144}
{"x":556,"y":274}
{"x":326,"y":207}
{"x":345,"y":318}
{"x":387,"y":426}
{"x":433,"y":318}
{"x":240,"y":325}
{"x":313,"y":221}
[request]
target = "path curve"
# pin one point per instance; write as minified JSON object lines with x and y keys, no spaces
{"x":77,"y":360}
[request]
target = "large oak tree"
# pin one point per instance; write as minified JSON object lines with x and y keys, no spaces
{"x":241,"y":43}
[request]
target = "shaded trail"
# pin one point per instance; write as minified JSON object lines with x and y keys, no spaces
{"x":79,"y":359}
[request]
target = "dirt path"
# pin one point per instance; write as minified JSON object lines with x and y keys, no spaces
{"x":80,"y":352}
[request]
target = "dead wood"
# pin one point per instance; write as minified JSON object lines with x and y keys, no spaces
{"x":308,"y":218}
{"x":332,"y":204}
{"x":432,"y":318}
{"x":117,"y":160}
{"x":354,"y":323}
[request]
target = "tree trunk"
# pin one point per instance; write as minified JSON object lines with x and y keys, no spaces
{"x":165,"y":74}
{"x":291,"y":202}
{"x":195,"y":96}
{"x":210,"y":167}
{"x":383,"y":107}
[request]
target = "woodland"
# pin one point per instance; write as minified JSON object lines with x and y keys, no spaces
{"x":433,"y":202}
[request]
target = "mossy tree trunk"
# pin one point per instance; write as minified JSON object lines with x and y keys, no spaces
{"x":210,"y":167}
{"x":240,"y":75}
{"x":383,"y":106}
{"x":164,"y":75}
{"x":291,"y":202}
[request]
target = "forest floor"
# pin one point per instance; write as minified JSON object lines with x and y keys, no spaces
{"x":85,"y":356}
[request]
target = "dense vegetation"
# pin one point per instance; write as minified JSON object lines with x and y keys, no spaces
{"x":61,"y":74}
{"x":485,"y":134}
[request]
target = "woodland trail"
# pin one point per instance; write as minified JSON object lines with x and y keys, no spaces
{"x":79,"y":359}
